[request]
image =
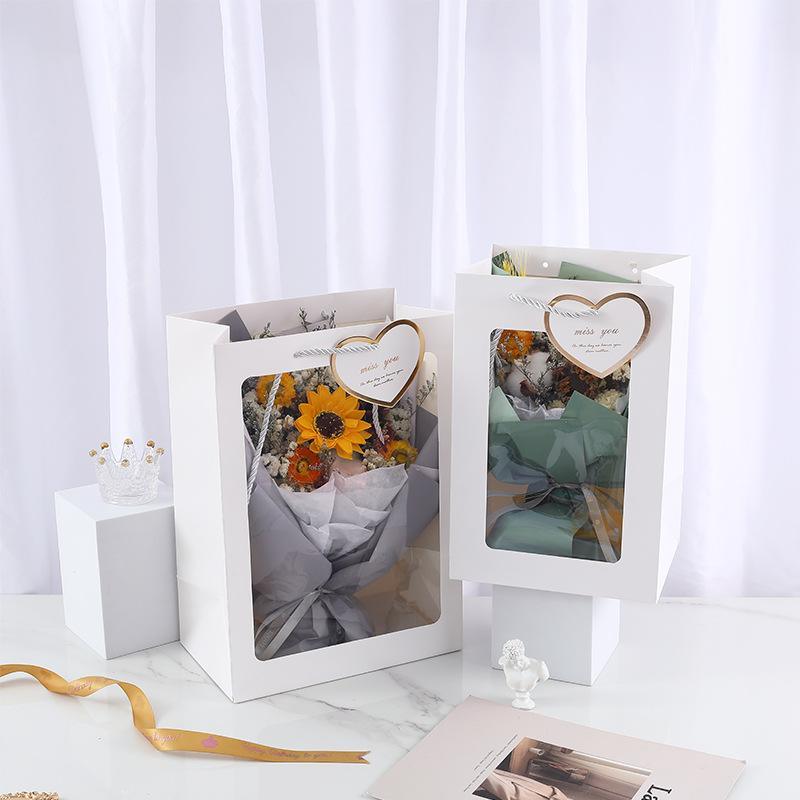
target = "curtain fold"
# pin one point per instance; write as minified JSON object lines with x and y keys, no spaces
{"x":117,"y":48}
{"x":256,"y":259}
{"x":54,"y":395}
{"x":739,"y":534}
{"x":563,"y":43}
{"x":162,"y":157}
{"x":376,"y":110}
{"x":338,"y":51}
{"x":449,"y":236}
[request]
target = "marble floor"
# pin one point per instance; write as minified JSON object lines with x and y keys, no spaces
{"x":718,"y":676}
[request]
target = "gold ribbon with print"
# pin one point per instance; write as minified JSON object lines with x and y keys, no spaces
{"x":173,"y":739}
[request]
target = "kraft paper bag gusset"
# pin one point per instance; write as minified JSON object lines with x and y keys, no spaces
{"x":556,"y":478}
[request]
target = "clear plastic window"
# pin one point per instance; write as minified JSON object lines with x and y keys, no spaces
{"x":557,"y":443}
{"x":344,"y":527}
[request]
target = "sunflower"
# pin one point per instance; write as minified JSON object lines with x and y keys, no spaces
{"x":285,"y":394}
{"x":305,"y":467}
{"x":401,"y":450}
{"x":332,"y":421}
{"x":515,"y":344}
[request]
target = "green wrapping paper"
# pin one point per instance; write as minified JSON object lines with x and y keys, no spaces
{"x":544,"y":474}
{"x":578,"y":272}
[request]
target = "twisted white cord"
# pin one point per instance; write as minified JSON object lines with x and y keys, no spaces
{"x":329,"y":351}
{"x":262,"y":436}
{"x":493,"y":342}
{"x":560,"y":312}
{"x":376,"y":423}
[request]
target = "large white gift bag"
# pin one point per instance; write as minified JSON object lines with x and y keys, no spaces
{"x":326,"y":554}
{"x":568,"y":466}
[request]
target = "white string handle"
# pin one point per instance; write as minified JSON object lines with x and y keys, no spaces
{"x":329,"y":351}
{"x":262,"y":436}
{"x":560,"y":312}
{"x":376,"y":423}
{"x":494,"y":341}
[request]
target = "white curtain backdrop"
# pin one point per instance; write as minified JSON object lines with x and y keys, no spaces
{"x":179,"y":154}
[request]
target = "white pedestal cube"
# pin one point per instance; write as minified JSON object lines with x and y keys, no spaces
{"x":118,"y":570}
{"x":573,"y":634}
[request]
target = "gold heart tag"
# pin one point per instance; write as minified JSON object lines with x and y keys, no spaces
{"x":603,"y":343}
{"x":382,"y":375}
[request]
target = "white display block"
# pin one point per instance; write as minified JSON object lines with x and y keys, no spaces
{"x":573,"y":634}
{"x":118,"y":571}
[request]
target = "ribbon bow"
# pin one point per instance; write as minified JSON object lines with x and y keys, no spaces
{"x":550,"y":491}
{"x":267,"y":645}
{"x":531,"y":500}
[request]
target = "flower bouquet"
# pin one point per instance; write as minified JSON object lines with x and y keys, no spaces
{"x":557,"y":443}
{"x":342,"y":510}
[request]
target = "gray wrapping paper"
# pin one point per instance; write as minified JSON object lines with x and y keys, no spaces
{"x":305,"y":575}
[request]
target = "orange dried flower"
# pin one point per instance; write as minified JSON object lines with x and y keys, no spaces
{"x":305,"y":467}
{"x":515,"y":344}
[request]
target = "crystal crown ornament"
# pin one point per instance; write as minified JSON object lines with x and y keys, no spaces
{"x":131,"y":479}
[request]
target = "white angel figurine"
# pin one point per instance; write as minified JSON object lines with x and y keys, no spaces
{"x":523,"y":674}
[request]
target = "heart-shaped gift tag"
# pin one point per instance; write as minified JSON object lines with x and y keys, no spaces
{"x":599,"y":344}
{"x":382,"y":375}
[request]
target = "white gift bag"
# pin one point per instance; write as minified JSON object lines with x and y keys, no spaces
{"x":326,"y":555}
{"x":567,"y":469}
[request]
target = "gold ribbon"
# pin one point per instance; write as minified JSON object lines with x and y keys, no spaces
{"x":173,"y":739}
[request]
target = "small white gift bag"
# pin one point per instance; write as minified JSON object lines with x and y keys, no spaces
{"x":326,"y":554}
{"x":567,"y":470}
